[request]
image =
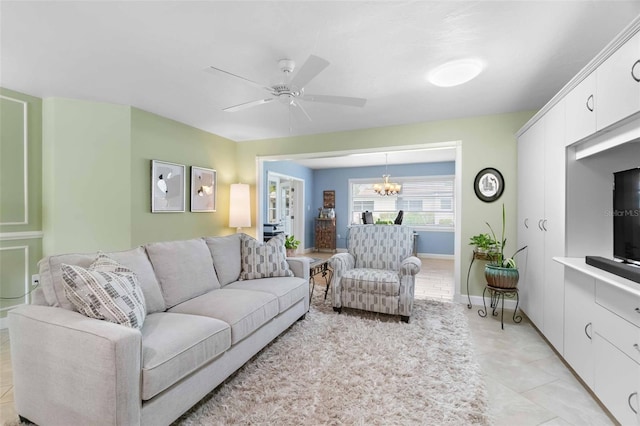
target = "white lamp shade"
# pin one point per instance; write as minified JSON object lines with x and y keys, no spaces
{"x":239,"y":206}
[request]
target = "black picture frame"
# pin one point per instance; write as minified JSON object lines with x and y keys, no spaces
{"x":488,"y":184}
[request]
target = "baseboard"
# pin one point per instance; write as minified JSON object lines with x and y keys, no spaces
{"x":436,"y":256}
{"x":4,"y":323}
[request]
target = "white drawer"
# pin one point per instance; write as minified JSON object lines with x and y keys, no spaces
{"x":624,"y":304}
{"x":618,"y":331}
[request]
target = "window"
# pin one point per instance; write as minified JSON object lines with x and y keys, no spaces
{"x":427,"y":201}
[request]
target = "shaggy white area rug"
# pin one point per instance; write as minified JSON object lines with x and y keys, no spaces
{"x":357,"y":368}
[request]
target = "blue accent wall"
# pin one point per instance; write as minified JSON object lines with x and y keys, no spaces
{"x":317,"y":181}
{"x":433,"y":242}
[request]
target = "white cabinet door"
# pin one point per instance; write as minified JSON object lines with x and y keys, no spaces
{"x":618,"y":91}
{"x":616,"y":381}
{"x":531,"y":215}
{"x":581,"y":110}
{"x":553,"y":225}
{"x":579,"y":303}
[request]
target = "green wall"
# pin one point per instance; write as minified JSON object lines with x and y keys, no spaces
{"x":97,"y":169}
{"x":157,"y":138}
{"x":87,"y":176}
{"x":487,"y":141}
{"x":20,"y":243}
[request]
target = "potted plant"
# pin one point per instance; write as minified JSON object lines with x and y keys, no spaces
{"x":502,"y":272}
{"x":483,"y":243}
{"x":291,"y":244}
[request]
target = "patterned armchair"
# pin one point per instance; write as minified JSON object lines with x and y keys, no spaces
{"x":378,"y":273}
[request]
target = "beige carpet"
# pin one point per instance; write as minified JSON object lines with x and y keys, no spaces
{"x":357,"y":368}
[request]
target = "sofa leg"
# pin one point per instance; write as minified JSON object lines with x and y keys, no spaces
{"x":338,"y":310}
{"x":404,"y":318}
{"x":24,"y":420}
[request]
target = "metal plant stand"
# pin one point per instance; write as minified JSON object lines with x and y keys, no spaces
{"x":497,"y":294}
{"x":479,"y":256}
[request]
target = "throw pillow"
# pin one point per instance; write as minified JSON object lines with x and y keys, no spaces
{"x":105,"y":290}
{"x":264,"y":260}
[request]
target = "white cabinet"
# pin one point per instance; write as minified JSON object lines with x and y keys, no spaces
{"x":602,"y":336}
{"x":579,"y":305}
{"x":580,"y":106}
{"x":541,"y":224}
{"x":618,"y":84}
{"x":616,"y":381}
{"x":530,"y":212}
{"x":616,"y":345}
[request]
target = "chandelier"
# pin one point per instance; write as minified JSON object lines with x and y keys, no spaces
{"x":387,"y":188}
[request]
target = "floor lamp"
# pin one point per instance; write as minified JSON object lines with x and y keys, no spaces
{"x":239,"y":206}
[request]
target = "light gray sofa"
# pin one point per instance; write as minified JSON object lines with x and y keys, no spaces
{"x":202,"y":324}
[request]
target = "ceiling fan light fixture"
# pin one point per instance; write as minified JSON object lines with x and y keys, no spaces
{"x":455,"y":73}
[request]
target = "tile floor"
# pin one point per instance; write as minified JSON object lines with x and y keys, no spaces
{"x":526,"y":382}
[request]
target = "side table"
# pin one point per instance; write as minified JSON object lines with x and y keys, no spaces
{"x":496,"y":294}
{"x":318,"y":266}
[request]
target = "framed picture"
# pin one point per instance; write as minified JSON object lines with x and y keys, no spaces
{"x":167,"y":187}
{"x":329,"y":199}
{"x":489,"y":184}
{"x":203,"y":189}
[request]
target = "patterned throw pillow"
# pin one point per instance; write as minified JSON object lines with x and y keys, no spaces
{"x":106,"y":290}
{"x":264,"y":260}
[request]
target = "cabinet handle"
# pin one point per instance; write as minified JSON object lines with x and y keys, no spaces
{"x":633,"y":71}
{"x":526,"y":223}
{"x":540,"y":224}
{"x":637,"y":310}
{"x":590,"y":101}
{"x":629,"y":401}
{"x":544,"y":225}
{"x":585,"y":330}
{"x":636,"y":347}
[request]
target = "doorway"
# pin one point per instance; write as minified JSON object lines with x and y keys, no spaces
{"x":285,"y":201}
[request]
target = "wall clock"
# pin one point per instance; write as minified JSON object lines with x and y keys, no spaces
{"x":489,"y":184}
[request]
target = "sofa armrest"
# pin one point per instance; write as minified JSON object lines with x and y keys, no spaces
{"x":410,"y":266}
{"x":71,"y":369}
{"x":339,"y":263}
{"x":299,"y":266}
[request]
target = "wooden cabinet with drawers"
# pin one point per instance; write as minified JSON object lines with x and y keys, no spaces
{"x":326,"y":233}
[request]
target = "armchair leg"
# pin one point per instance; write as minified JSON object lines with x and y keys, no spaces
{"x":338,"y":310}
{"x":404,"y":318}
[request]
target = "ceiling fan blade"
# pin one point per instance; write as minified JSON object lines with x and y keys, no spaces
{"x":311,"y":68}
{"x":214,"y":70}
{"x":341,"y":100}
{"x":247,"y":105}
{"x":297,"y":108}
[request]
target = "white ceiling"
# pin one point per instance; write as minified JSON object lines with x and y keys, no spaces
{"x":151,"y":55}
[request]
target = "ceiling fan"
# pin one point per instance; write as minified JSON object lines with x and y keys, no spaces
{"x":291,"y":90}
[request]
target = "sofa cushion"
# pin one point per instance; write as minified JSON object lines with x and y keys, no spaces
{"x":244,"y":310}
{"x":175,"y":345}
{"x":374,"y":281}
{"x":226,"y":257}
{"x":264,"y":260}
{"x":135,"y":259}
{"x":184,"y":269}
{"x":106,"y":291}
{"x":288,"y":290}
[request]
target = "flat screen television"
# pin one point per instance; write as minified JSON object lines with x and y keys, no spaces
{"x":626,"y":216}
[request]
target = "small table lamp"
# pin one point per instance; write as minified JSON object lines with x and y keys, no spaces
{"x":239,"y":206}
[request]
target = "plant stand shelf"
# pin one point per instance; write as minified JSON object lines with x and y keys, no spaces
{"x":496,"y":294}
